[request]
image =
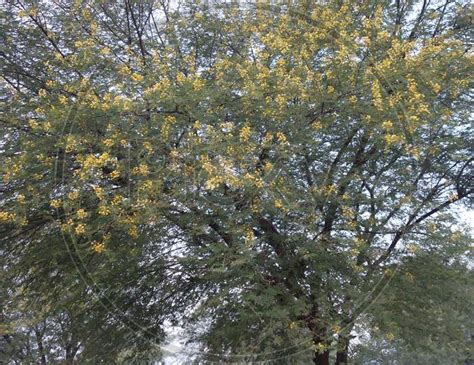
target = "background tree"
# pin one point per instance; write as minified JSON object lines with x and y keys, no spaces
{"x":254,"y":172}
{"x":424,"y":316}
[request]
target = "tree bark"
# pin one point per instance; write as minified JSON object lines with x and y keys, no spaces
{"x":342,"y":351}
{"x":341,"y":357}
{"x":321,"y":358}
{"x":319,"y":331}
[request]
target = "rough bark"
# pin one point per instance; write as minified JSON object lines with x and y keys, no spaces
{"x":342,"y":351}
{"x":321,"y":358}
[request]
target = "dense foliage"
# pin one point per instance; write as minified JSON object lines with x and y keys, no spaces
{"x":274,"y":179}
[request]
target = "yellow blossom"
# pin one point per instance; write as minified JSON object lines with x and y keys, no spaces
{"x":293,"y":325}
{"x":80,"y":229}
{"x":108,"y":142}
{"x":436,"y":88}
{"x":5,"y":217}
{"x":147,"y":146}
{"x":20,"y":199}
{"x":98,"y":247}
{"x":391,"y":139}
{"x":213,"y":183}
{"x":281,"y":137}
{"x":249,"y":236}
{"x":390,"y":336}
{"x":103,"y":210}
{"x":387,"y":124}
{"x":245,"y":133}
{"x":99,"y":192}
{"x":115,"y":174}
{"x":141,"y":169}
{"x":180,"y":77}
{"x":55,"y":203}
{"x":81,"y":213}
{"x":137,"y":77}
{"x":319,"y":347}
{"x":73,"y":195}
{"x":33,"y":124}
{"x":133,"y":232}
{"x":377,"y":94}
{"x":198,"y":84}
{"x":105,"y":51}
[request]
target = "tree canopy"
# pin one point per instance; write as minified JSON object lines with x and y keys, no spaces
{"x":269,"y":177}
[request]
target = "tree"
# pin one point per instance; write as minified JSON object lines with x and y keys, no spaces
{"x":254,"y":171}
{"x":424,"y":316}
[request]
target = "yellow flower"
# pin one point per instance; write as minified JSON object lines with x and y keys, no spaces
{"x":174,"y":153}
{"x":198,"y":84}
{"x":142,"y":169}
{"x":347,"y":212}
{"x":20,"y":199}
{"x":197,"y":125}
{"x":80,"y":229}
{"x":81,"y":214}
{"x":278,"y":203}
{"x":281,"y":137}
{"x":387,"y":124}
{"x":436,"y":88}
{"x":147,"y":146}
{"x":105,"y":51}
{"x":108,"y":142}
{"x":391,"y":139}
{"x":115,"y":174}
{"x":249,"y":236}
{"x":293,"y":325}
{"x":33,"y":124}
{"x":55,"y":203}
{"x":268,"y":166}
{"x":133,"y":232}
{"x":73,"y":195}
{"x":103,"y":210}
{"x":390,"y":336}
{"x":5,"y":217}
{"x":319,"y":347}
{"x":47,"y":126}
{"x":331,"y":189}
{"x":62,"y":99}
{"x":137,"y":77}
{"x":180,"y":77}
{"x":212,"y":183}
{"x":103,"y":158}
{"x":99,"y":192}
{"x":117,"y":199}
{"x":377,"y":95}
{"x":245,"y":133}
{"x":98,"y":247}
{"x":410,"y":277}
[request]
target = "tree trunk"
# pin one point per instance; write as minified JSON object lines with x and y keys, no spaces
{"x":341,"y":357}
{"x":342,"y":350}
{"x":321,"y":358}
{"x":71,"y":352}
{"x":317,"y":327}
